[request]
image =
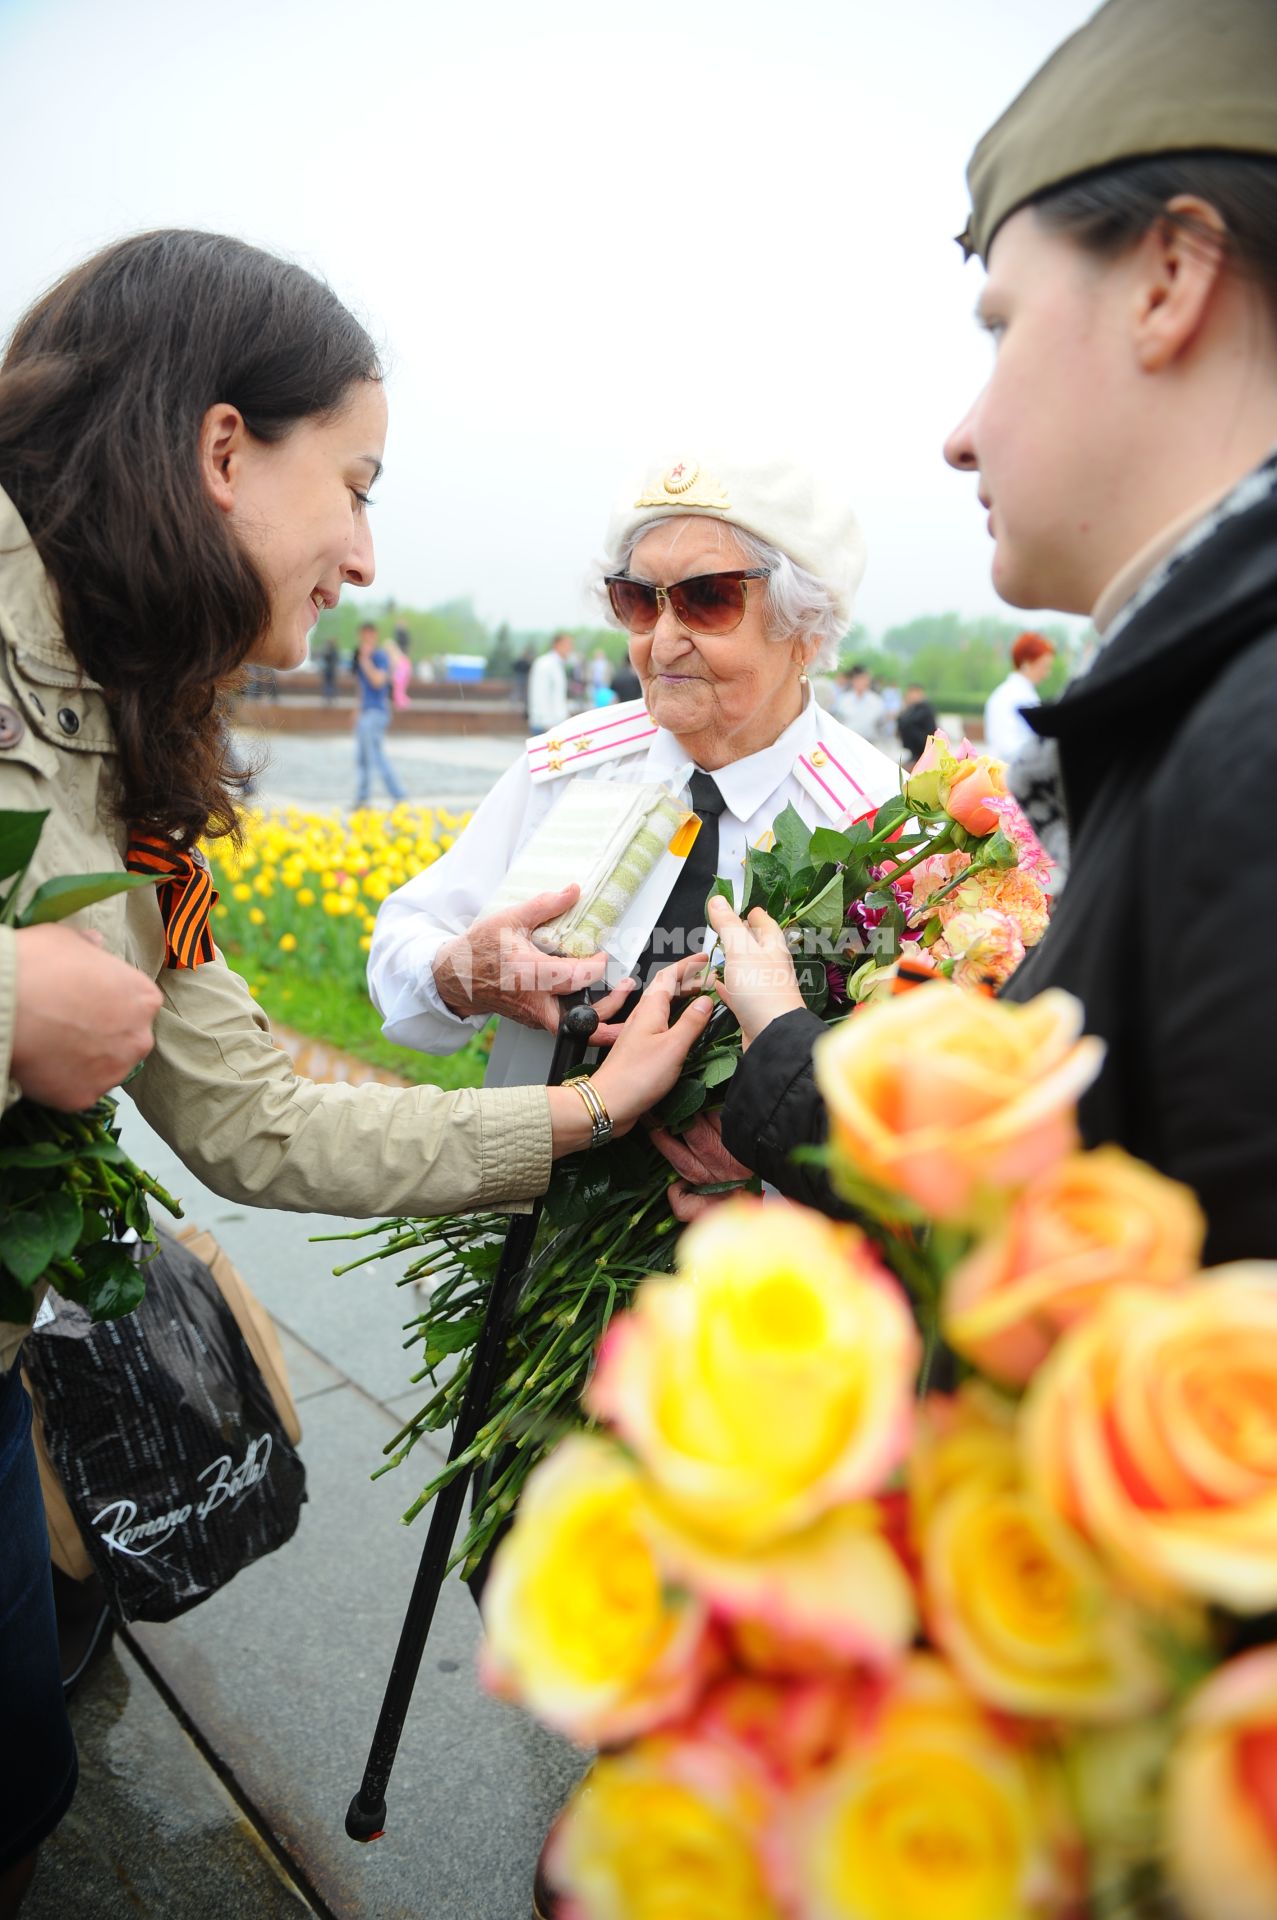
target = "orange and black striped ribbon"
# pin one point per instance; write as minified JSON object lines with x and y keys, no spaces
{"x":187,"y":896}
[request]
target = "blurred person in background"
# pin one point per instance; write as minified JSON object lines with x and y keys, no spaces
{"x":372,"y":718}
{"x":548,"y":703}
{"x":1006,"y":731}
{"x":917,"y":722}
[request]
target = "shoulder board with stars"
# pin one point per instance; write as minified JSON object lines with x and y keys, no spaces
{"x":847,"y":784}
{"x":588,"y":739}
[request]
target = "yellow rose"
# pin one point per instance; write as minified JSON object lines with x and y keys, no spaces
{"x":947,"y":1099}
{"x":668,"y":1830}
{"x":1086,"y":1225}
{"x":933,"y":1816}
{"x":1152,"y":1428}
{"x":1012,"y":1596}
{"x":1220,"y":1831}
{"x":768,"y":1381}
{"x":581,"y":1626}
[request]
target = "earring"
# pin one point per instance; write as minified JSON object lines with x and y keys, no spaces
{"x":802,"y":676}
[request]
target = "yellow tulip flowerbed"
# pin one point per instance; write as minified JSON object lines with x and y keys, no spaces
{"x":298,"y":902}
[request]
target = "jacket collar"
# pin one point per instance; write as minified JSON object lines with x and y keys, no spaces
{"x":1161,"y":659}
{"x":29,"y":616}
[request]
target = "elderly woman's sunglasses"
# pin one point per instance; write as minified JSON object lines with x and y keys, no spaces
{"x":710,"y":603}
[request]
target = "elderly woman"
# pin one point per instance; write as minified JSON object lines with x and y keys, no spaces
{"x":732,"y":581}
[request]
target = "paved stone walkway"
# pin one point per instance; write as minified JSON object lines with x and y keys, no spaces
{"x":319,"y":770}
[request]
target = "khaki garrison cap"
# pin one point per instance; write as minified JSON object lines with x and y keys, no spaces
{"x":1142,"y":77}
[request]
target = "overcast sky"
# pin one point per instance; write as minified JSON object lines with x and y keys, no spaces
{"x":586,"y":235}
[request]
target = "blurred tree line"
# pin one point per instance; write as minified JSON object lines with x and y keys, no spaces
{"x":958,"y":660}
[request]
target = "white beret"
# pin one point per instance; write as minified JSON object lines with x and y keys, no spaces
{"x":784,"y":504}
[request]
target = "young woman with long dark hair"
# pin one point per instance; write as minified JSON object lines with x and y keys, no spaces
{"x":189,"y":429}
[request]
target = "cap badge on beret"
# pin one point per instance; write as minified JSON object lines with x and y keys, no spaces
{"x":685,"y":485}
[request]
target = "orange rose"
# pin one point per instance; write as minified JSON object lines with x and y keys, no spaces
{"x":1220,"y":1831}
{"x":951,"y":1101}
{"x":1152,"y":1428}
{"x":972,"y":784}
{"x":1086,"y":1225}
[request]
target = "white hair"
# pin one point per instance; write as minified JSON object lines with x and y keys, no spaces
{"x":797,"y":606}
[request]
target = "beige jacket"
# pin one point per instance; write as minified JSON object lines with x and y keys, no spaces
{"x":216,"y":1087}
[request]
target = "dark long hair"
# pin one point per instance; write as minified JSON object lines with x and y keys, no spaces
{"x":103,"y":391}
{"x":1110,"y":211}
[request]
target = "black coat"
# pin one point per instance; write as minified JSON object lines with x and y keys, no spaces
{"x":1167,"y":929}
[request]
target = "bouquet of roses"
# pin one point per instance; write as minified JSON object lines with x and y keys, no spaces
{"x":1002,"y":1652}
{"x":68,"y":1190}
{"x":948,"y":872}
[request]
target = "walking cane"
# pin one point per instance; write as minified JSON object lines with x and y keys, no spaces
{"x":366,"y":1814}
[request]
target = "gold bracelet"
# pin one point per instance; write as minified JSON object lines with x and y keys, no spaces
{"x":600,"y":1120}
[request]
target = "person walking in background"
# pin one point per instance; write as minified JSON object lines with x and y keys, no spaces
{"x":548,"y":685}
{"x":329,"y":661}
{"x":1006,"y":731}
{"x":917,"y":722}
{"x":858,"y":706}
{"x":372,"y":671}
{"x":626,"y":684}
{"x":401,"y":669}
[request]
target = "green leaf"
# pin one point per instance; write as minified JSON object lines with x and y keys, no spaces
{"x":113,"y":1282}
{"x":793,"y":839}
{"x":826,"y":844}
{"x":59,"y":898}
{"x":1000,"y":851}
{"x":826,"y":910}
{"x":19,"y":837}
{"x":722,"y":890}
{"x":96,"y":1227}
{"x":17,"y":1304}
{"x":716,"y":1071}
{"x":891,"y":814}
{"x":813,"y":984}
{"x":687,"y":1099}
{"x":764,"y":873}
{"x":36,"y":1234}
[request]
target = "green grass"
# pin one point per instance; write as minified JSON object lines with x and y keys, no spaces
{"x":328,"y":1010}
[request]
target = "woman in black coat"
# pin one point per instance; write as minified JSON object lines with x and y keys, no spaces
{"x":1124,"y":451}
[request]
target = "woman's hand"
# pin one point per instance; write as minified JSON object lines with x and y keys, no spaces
{"x":82,"y":1019}
{"x":494,"y":967}
{"x":759,"y":982}
{"x":700,"y":1159}
{"x":644,"y":1062}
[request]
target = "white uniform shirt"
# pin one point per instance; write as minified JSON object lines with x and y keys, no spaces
{"x":547,"y":692}
{"x":827,"y":773}
{"x":1005,"y":728}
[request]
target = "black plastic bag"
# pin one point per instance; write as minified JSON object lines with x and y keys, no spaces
{"x":165,"y":1439}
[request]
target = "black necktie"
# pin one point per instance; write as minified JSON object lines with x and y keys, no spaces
{"x":680,"y":926}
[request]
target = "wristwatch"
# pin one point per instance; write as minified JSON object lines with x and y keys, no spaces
{"x":600,"y":1120}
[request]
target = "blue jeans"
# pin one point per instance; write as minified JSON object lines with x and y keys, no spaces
{"x":37,"y":1753}
{"x":370,"y":756}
